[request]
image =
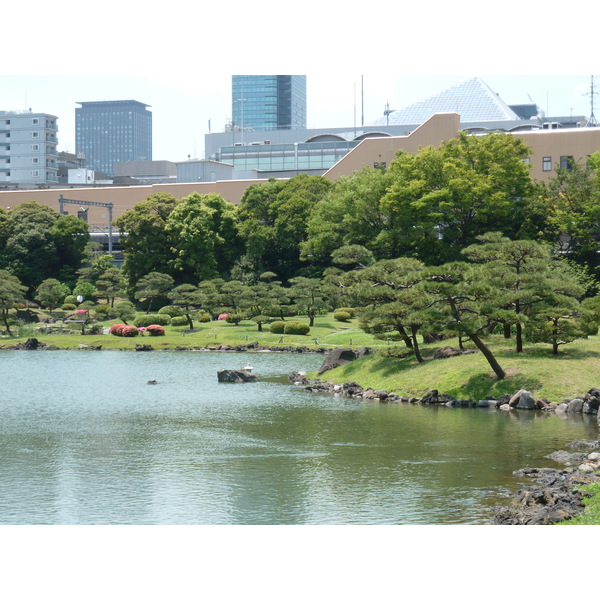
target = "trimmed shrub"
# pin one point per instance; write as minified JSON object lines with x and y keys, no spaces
{"x":235,"y":318}
{"x":152,"y":319}
{"x":70,"y":299}
{"x":277,"y":326}
{"x":155,"y":330}
{"x":347,"y":309}
{"x":116,"y":329}
{"x":101,"y":311}
{"x":69,"y":306}
{"x":179,"y":321}
{"x":203,"y":318}
{"x":171,"y":310}
{"x":296,"y":328}
{"x":341,"y":315}
{"x":129,"y":331}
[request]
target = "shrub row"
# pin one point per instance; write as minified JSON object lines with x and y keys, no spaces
{"x":289,"y":327}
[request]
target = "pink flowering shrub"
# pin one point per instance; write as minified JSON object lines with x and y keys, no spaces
{"x":128,"y":331}
{"x":116,"y":328}
{"x":155,"y":330}
{"x":222,"y":317}
{"x":80,"y":311}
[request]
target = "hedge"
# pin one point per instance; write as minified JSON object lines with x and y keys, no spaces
{"x":152,"y":319}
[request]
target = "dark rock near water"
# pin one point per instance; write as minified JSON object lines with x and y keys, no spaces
{"x":235,"y":376}
{"x":336,"y":358}
{"x":143,"y":348}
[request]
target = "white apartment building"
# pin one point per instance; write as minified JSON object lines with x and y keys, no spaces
{"x":28,"y":148}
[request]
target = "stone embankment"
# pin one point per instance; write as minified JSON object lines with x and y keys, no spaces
{"x":587,"y":403}
{"x":556,"y":496}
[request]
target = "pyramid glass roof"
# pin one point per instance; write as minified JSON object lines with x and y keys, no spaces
{"x":473,"y":100}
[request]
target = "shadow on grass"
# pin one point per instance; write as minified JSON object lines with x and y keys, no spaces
{"x":482,"y":385}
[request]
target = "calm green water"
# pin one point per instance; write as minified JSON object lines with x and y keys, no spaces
{"x":84,"y":440}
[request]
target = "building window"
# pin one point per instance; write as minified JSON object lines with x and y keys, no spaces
{"x":35,"y":173}
{"x":547,"y":163}
{"x":566,"y":162}
{"x":35,"y":121}
{"x":35,"y":147}
{"x":527,"y":160}
{"x":35,"y":161}
{"x":35,"y":134}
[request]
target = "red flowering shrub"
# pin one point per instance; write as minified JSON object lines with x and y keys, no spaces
{"x":116,"y":328}
{"x":222,"y":317}
{"x":155,"y":330}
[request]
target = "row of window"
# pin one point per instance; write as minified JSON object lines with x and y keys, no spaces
{"x":566,"y":162}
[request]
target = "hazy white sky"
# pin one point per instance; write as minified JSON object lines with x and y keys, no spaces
{"x":178,"y":57}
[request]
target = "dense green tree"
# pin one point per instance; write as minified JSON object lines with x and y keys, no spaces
{"x":146,"y":243}
{"x":393,"y":303}
{"x":205,"y":242}
{"x":572,"y":203}
{"x":189,"y":298}
{"x":153,"y":286}
{"x":71,"y":237}
{"x":351,"y":214}
{"x":518,"y":270}
{"x":443,"y":197}
{"x":51,"y":293}
{"x":111,"y":285}
{"x":273,"y":222}
{"x":310,"y":297}
{"x":457,"y":298}
{"x":30,"y":249}
{"x":12,"y":294}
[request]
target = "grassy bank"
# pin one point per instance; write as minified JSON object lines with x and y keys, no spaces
{"x":572,"y":372}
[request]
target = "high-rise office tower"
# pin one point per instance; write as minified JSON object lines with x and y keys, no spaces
{"x":28,"y":145}
{"x":267,"y":102}
{"x":113,"y":131}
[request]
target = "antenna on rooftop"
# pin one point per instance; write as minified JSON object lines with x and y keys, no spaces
{"x":592,"y":122}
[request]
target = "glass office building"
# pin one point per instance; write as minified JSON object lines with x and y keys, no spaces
{"x":268,"y":102}
{"x":113,"y":131}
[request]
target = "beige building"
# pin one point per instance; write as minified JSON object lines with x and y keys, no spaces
{"x":550,"y":148}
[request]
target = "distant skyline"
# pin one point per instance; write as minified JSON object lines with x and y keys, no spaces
{"x":183,"y":110}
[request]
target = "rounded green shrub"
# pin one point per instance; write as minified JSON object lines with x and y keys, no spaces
{"x":171,"y":310}
{"x":277,"y":326}
{"x":68,"y":307}
{"x":341,"y":315}
{"x":296,"y":328}
{"x":203,"y":318}
{"x":152,"y":319}
{"x":70,"y":299}
{"x":179,"y":321}
{"x":347,"y":309}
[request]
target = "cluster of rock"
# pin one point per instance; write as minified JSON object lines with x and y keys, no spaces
{"x":31,"y":344}
{"x":556,"y":496}
{"x":522,"y":399}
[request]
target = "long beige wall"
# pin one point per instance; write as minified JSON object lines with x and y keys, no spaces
{"x":123,"y":198}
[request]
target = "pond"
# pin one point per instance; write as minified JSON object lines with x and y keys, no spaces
{"x":85,"y":440}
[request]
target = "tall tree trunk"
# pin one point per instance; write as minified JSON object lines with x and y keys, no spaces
{"x":519,"y":337}
{"x":405,"y":337}
{"x":416,"y":344}
{"x":500,"y":373}
{"x":506,"y":330}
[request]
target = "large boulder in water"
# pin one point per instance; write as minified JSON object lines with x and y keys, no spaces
{"x":235,"y":376}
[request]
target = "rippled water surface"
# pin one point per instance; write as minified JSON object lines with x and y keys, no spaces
{"x":85,"y":440}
